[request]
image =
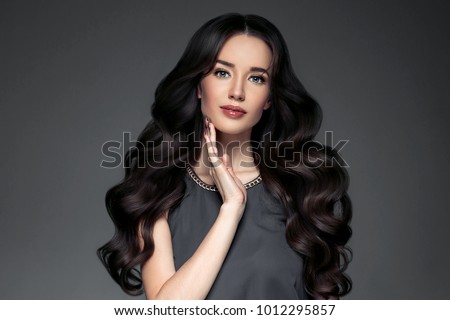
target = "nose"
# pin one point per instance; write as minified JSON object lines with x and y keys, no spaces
{"x":237,"y":90}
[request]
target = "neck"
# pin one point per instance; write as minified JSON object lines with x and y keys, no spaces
{"x":237,"y":147}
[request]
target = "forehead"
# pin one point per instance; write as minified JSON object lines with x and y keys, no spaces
{"x":246,"y":51}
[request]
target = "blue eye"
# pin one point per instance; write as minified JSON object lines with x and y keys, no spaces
{"x":221,"y":74}
{"x":257,"y":79}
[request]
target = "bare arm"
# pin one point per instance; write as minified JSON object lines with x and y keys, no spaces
{"x":194,"y":278}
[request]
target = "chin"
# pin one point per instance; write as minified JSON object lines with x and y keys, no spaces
{"x":232,"y":129}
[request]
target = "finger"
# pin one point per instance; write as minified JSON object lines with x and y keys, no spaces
{"x":212,"y":131}
{"x":226,"y":160}
{"x":221,"y":172}
{"x":235,"y":177}
{"x":211,"y":144}
{"x":228,"y":165}
{"x":205,"y":126}
{"x":212,"y":154}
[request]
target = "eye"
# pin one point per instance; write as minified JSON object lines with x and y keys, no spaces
{"x":221,"y":73}
{"x":257,"y":79}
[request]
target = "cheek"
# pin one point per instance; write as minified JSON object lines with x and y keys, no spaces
{"x":209,"y":96}
{"x":257,"y":116}
{"x":260,"y":99}
{"x":206,"y":106}
{"x":206,"y":102}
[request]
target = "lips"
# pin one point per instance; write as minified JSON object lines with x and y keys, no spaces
{"x":233,"y":112}
{"x":233,"y":108}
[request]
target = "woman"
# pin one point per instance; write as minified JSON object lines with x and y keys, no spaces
{"x":226,"y":195}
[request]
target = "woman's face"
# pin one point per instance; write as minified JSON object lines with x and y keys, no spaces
{"x":235,"y":93}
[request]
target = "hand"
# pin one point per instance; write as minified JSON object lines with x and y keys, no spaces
{"x":230,"y":186}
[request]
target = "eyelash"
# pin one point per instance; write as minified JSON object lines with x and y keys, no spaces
{"x":219,"y":73}
{"x":259,"y":80}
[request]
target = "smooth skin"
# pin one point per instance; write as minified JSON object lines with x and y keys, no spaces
{"x":239,"y":82}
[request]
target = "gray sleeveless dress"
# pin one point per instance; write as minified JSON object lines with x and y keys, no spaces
{"x":259,"y":264}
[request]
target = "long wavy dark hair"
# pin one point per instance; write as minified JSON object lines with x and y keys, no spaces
{"x":307,"y":177}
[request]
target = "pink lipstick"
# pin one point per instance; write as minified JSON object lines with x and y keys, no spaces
{"x":233,"y":111}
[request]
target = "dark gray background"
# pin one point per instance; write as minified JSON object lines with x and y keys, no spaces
{"x":75,"y":74}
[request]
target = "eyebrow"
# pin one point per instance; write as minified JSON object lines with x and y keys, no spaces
{"x":231,"y":65}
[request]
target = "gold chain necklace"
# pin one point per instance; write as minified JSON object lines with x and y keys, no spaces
{"x":210,"y":187}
